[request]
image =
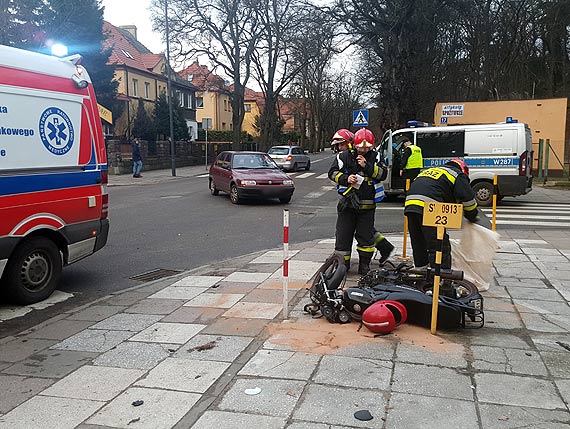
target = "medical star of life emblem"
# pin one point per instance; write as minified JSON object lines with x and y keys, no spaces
{"x":56,"y":131}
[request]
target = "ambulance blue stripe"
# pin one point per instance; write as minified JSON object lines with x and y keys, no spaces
{"x":14,"y":185}
{"x":494,"y":162}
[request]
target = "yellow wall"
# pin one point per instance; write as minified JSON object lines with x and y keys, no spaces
{"x":217,"y":107}
{"x":546,"y":118}
{"x":249,"y":119}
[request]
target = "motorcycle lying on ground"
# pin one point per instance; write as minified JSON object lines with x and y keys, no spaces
{"x":459,"y":303}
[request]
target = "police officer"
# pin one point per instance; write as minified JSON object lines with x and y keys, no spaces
{"x":448,"y":183}
{"x":356,"y":171}
{"x":412,"y":160}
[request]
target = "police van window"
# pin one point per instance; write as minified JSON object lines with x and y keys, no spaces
{"x":441,"y":144}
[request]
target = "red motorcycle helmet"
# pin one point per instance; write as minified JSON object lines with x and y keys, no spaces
{"x":383,"y":317}
{"x":461,"y":164}
{"x":364,"y":138}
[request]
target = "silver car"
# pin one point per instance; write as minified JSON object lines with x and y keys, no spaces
{"x":291,"y":158}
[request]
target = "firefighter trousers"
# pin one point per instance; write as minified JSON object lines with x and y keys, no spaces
{"x":424,"y":242}
{"x":359,"y":224}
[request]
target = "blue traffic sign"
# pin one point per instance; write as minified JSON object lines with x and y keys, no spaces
{"x":360,"y":118}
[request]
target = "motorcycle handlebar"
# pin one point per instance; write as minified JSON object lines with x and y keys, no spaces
{"x":447,"y":274}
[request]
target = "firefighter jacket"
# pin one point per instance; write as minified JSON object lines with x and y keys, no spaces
{"x":371,"y":190}
{"x":445,"y":184}
{"x":412,"y":158}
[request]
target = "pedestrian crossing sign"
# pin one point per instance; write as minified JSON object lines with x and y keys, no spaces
{"x":360,"y":118}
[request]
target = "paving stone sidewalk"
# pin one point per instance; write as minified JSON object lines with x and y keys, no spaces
{"x":210,"y":349}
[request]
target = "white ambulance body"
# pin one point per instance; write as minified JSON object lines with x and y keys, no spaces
{"x":53,"y":172}
{"x":489,"y":149}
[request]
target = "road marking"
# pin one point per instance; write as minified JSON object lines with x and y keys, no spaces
{"x":203,"y":175}
{"x":323,"y":176}
{"x":305,"y":175}
{"x":317,"y":194}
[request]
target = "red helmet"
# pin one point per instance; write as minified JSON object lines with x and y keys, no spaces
{"x":461,"y":164}
{"x":342,"y":135}
{"x":364,"y":138}
{"x":383,"y":316}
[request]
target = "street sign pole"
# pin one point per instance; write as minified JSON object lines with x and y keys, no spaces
{"x":440,"y":216}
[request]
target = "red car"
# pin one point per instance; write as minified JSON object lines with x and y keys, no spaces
{"x":249,"y":175}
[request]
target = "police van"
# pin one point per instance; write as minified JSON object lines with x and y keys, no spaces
{"x":53,"y":172}
{"x":503,"y":149}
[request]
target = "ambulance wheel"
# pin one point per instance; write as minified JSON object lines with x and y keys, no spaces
{"x":483,"y":193}
{"x":33,"y":271}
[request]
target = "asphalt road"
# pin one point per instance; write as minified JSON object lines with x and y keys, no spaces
{"x":179,"y":226}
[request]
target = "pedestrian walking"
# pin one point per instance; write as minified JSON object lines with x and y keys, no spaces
{"x":357,"y":172}
{"x":137,"y":158}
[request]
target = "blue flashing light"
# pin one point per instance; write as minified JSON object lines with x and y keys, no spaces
{"x":415,"y":124}
{"x":510,"y":120}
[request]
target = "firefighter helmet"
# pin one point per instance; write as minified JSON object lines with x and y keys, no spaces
{"x":461,"y":164}
{"x":364,"y":138}
{"x":342,"y":136}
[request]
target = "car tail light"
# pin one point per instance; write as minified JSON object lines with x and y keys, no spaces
{"x":523,"y":160}
{"x":289,"y":158}
{"x":104,"y":195}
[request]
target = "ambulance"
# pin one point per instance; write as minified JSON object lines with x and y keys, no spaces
{"x":503,"y":149}
{"x":53,"y":172}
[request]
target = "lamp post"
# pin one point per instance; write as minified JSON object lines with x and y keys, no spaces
{"x":169,"y":88}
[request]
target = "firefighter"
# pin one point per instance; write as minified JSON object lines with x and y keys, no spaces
{"x":357,"y":172}
{"x":448,"y":183}
{"x":412,"y":161}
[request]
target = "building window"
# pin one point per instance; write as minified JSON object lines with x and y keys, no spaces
{"x":188,"y":100}
{"x":225,"y":105}
{"x":179,"y":96}
{"x":199,"y":102}
{"x":127,"y":54}
{"x":147,"y":90}
{"x":223,"y":125}
{"x":190,"y":77}
{"x":247,"y":107}
{"x":135,"y":85}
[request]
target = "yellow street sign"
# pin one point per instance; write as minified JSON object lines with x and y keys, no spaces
{"x":105,"y":114}
{"x":445,"y":215}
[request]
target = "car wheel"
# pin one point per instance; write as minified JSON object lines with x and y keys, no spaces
{"x":213,"y":189}
{"x":33,"y":271}
{"x":294,"y":167}
{"x":308,"y":167}
{"x":234,"y":195}
{"x":285,"y":200}
{"x":483,"y":193}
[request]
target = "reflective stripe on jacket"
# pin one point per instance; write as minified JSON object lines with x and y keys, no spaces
{"x":445,"y":184}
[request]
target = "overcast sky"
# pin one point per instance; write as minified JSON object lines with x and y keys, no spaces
{"x":134,"y":12}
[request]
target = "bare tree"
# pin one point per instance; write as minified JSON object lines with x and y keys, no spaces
{"x":225,"y":31}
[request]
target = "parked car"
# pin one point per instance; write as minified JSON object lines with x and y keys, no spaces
{"x":290,"y":158}
{"x":249,"y":175}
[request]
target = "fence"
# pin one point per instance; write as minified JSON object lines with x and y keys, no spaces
{"x":544,"y":150}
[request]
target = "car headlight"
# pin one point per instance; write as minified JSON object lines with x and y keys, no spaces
{"x":248,"y":183}
{"x":287,"y":182}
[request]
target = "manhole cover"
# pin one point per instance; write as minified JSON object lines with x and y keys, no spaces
{"x":156,"y":274}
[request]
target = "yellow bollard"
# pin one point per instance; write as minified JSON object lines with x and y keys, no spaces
{"x":405,"y":224}
{"x":436,"y":278}
{"x":494,"y":224}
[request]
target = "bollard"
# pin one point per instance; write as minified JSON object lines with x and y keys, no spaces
{"x":494,"y":224}
{"x":540,"y":150}
{"x":285,"y":264}
{"x":405,"y":223}
{"x":546,"y":156}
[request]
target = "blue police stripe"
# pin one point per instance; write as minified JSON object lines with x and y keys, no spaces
{"x":21,"y":184}
{"x":491,"y":162}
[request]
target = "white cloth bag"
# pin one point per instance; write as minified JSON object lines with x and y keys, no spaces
{"x":474,"y":254}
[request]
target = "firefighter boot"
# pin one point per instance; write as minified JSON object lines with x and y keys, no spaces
{"x":385,"y":248}
{"x":364,"y":265}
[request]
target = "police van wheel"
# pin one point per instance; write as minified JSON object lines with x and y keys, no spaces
{"x":33,"y":271}
{"x":483,"y":193}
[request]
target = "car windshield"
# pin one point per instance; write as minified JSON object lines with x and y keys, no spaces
{"x":278,"y":151}
{"x":252,"y":161}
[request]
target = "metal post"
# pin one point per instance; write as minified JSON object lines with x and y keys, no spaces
{"x":546,"y":156}
{"x":436,"y":279}
{"x":285,"y":264}
{"x":206,"y":157}
{"x":540,"y":149}
{"x":494,"y":225}
{"x":169,"y":86}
